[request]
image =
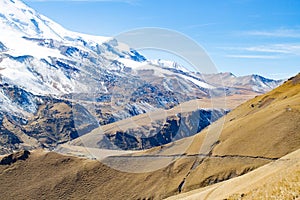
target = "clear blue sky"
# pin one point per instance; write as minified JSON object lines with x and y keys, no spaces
{"x":241,"y":36}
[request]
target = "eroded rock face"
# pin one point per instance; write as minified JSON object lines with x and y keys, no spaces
{"x":55,"y":68}
{"x":28,"y":121}
{"x":54,"y":123}
{"x":12,"y":158}
{"x":8,"y":141}
{"x":161,"y":132}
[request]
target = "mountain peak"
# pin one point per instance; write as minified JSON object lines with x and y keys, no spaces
{"x":18,"y":19}
{"x":228,"y":74}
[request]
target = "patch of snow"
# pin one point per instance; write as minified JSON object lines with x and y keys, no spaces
{"x":199,"y":83}
{"x":36,"y":76}
{"x":19,"y":46}
{"x":169,"y":64}
{"x":132,"y":64}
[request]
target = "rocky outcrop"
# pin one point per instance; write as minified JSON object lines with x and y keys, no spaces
{"x":61,"y":84}
{"x":29,"y":121}
{"x":12,"y":158}
{"x":160,"y":132}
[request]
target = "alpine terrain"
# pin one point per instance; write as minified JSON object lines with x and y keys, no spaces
{"x":89,"y":117}
{"x":57,"y":85}
{"x":257,"y":162}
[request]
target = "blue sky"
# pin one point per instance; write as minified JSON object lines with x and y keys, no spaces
{"x":240,"y":36}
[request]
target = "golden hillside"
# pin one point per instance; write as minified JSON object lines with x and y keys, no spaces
{"x":256,"y":133}
{"x":266,"y":127}
{"x":277,"y":180}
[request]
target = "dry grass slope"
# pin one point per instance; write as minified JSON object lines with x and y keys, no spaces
{"x":268,"y":125}
{"x":257,"y":132}
{"x":277,"y":180}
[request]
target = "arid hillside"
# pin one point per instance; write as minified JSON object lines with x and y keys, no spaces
{"x":267,"y":125}
{"x":257,"y":133}
{"x":277,"y":180}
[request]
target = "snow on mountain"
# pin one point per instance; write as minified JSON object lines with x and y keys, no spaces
{"x":254,"y":83}
{"x":17,"y":101}
{"x":43,"y":57}
{"x":169,"y":64}
{"x":16,"y":17}
{"x":199,"y":83}
{"x":261,"y":84}
{"x":132,"y":63}
{"x":31,"y":39}
{"x":45,"y":69}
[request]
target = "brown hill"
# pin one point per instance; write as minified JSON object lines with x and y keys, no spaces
{"x":266,"y":127}
{"x":53,"y":176}
{"x":276,"y":180}
{"x":256,"y":133}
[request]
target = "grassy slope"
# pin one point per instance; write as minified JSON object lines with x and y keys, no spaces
{"x":266,"y":126}
{"x":54,"y":176}
{"x":260,"y":127}
{"x":276,"y":180}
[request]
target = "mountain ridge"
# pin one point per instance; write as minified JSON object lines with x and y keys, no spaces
{"x":68,"y":176}
{"x":44,"y":66}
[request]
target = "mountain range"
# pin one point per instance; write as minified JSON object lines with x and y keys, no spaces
{"x":57,"y":85}
{"x":255,"y":157}
{"x":85,"y":117}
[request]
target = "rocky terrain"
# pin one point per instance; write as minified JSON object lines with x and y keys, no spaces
{"x":57,"y":85}
{"x":263,"y":132}
{"x":89,"y":117}
{"x":151,"y":129}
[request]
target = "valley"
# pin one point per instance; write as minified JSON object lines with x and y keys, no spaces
{"x":90,"y":117}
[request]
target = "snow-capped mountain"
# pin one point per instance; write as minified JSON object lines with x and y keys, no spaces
{"x":21,"y":20}
{"x":44,"y":58}
{"x":253,"y":83}
{"x":169,"y":64}
{"x":47,"y":58}
{"x":81,"y":81}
